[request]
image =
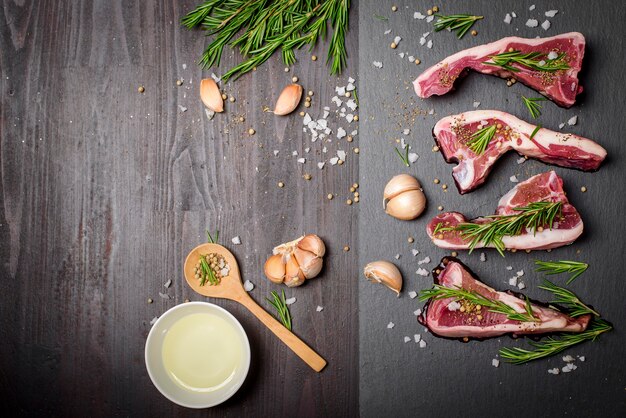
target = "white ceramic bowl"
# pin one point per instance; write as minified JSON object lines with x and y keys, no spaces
{"x":160,"y":377}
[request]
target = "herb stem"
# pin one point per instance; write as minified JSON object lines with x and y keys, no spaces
{"x":282,"y":309}
{"x":563,"y":266}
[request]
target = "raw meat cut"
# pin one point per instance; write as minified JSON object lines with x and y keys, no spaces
{"x":452,"y":134}
{"x":545,"y":187}
{"x":560,"y":86}
{"x":444,"y":318}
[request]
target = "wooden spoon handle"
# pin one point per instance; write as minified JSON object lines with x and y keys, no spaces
{"x":306,"y":353}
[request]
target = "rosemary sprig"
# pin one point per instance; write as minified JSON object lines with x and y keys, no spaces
{"x":405,"y":157}
{"x":558,"y":267}
{"x":210,"y":238}
{"x":554,"y":345}
{"x":533,"y":107}
{"x":379,"y":17}
{"x":568,"y":300}
{"x":207,"y":273}
{"x":280,"y":303}
{"x":480,"y":139}
{"x":533,"y":60}
{"x":259,"y":28}
{"x":460,"y":23}
{"x":532,"y":135}
{"x":532,"y":216}
{"x":441,"y":292}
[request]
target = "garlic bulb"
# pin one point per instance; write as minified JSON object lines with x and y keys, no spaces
{"x":295,"y":261}
{"x":211,"y":96}
{"x":404,"y":198}
{"x":288,"y":100}
{"x":386,"y":273}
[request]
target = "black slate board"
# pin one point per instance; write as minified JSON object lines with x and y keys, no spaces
{"x":400,"y":379}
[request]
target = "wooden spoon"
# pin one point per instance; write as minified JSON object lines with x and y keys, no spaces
{"x":231,"y":288}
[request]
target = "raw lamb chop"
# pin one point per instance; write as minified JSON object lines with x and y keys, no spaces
{"x":546,"y":187}
{"x":444,"y":317}
{"x":452,"y":134}
{"x":560,"y":86}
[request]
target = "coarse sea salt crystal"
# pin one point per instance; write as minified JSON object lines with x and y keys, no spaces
{"x":476,"y":104}
{"x":341,"y":154}
{"x":422,"y":40}
{"x":351,"y":104}
{"x":426,"y":260}
{"x":320,"y":165}
{"x":520,"y":273}
{"x":509,"y":268}
{"x":413,"y":157}
{"x":276,"y":152}
{"x":407,"y":339}
{"x":417,"y":338}
{"x":301,"y":160}
{"x":568,"y":358}
{"x":183,"y":109}
{"x":554,"y":371}
{"x":513,"y":14}
{"x":495,"y":362}
{"x":532,"y":7}
{"x":164,"y":295}
{"x":290,"y":301}
{"x":561,"y":125}
{"x":513,"y":281}
{"x":581,"y":358}
{"x":431,"y":112}
{"x":532,"y":23}
{"x":483,"y":257}
{"x":236,"y":240}
{"x":397,"y":256}
{"x":341,"y":90}
{"x":414,"y":251}
{"x":572,"y":121}
{"x":341,"y":133}
{"x":521,"y":285}
{"x":417,"y":312}
{"x":349,"y":117}
{"x":507,"y":19}
{"x":406,"y":131}
{"x":430,"y":19}
{"x":418,"y":15}
{"x":429,"y":44}
{"x":350,"y":87}
{"x":521,"y":160}
{"x":422,"y":272}
{"x":411,"y":58}
{"x":209,"y":114}
{"x":397,"y":40}
{"x":422,"y":344}
{"x":545,"y":25}
{"x":153,"y":320}
{"x":552,"y":55}
{"x":333,"y":160}
{"x":412,"y":294}
{"x":377,"y":64}
{"x":454,"y":306}
{"x":387,"y":32}
{"x":307,"y":119}
{"x":551,"y":13}
{"x":514,"y":179}
{"x":168,"y":283}
{"x":248,"y":286}
{"x":390,"y":325}
{"x":319,"y":308}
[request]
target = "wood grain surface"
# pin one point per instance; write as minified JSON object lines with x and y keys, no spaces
{"x":449,"y":378}
{"x":105,"y":190}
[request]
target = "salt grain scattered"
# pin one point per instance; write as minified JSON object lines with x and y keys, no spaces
{"x":545,"y":25}
{"x":422,"y":344}
{"x":553,"y":55}
{"x":320,"y":165}
{"x":514,"y":179}
{"x":507,"y":19}
{"x":407,"y":339}
{"x":495,"y":362}
{"x":319,"y":308}
{"x":397,"y":256}
{"x":554,"y":371}
{"x":476,"y":104}
{"x":521,"y":285}
{"x":341,"y":133}
{"x":520,"y":273}
{"x":572,"y":121}
{"x":168,"y":283}
{"x":378,"y":64}
{"x":414,"y":252}
{"x":568,"y":358}
{"x":532,"y":7}
{"x":153,"y":320}
{"x":561,"y":125}
{"x":430,"y":19}
{"x":509,"y":268}
{"x":209,"y":114}
{"x":513,"y":281}
{"x":413,"y":157}
{"x":341,"y":154}
{"x":417,"y":338}
{"x":387,"y":32}
{"x":551,"y":13}
{"x":397,"y":40}
{"x":390,"y":325}
{"x":483,"y":257}
{"x":164,"y":296}
{"x":301,"y":160}
{"x":521,"y":160}
{"x":424,"y":261}
{"x":248,"y":285}
{"x":290,"y":301}
{"x":412,"y":294}
{"x":418,"y":15}
{"x":532,"y":23}
{"x":454,"y":306}
{"x":429,"y":44}
{"x":236,"y":240}
{"x":422,"y":272}
{"x":417,"y":312}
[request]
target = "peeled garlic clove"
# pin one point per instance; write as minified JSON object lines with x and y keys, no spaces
{"x":288,"y":100}
{"x":211,"y":95}
{"x":310,"y":264}
{"x":275,"y":268}
{"x":294,"y":276}
{"x":403,"y":198}
{"x":386,"y":273}
{"x":313,"y":244}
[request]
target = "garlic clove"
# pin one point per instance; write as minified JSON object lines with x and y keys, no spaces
{"x":406,"y":206}
{"x":211,"y":96}
{"x":275,"y":268}
{"x":313,"y":244}
{"x":386,"y":273}
{"x":403,"y":197}
{"x":310,"y":264}
{"x":293,"y":275}
{"x":288,"y":100}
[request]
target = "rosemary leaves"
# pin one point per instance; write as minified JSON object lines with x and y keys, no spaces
{"x":558,"y":267}
{"x":480,"y":139}
{"x":536,"y":61}
{"x":533,"y":106}
{"x":533,"y":216}
{"x":460,"y":23}
{"x":260,"y":28}
{"x":282,"y":310}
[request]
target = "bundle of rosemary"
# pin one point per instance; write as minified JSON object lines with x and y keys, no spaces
{"x":258,"y":28}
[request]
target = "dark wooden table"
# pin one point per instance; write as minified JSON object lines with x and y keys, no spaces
{"x":448,"y":378}
{"x":104,"y":191}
